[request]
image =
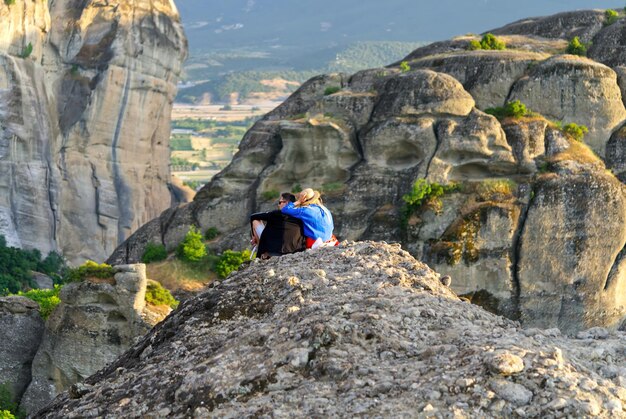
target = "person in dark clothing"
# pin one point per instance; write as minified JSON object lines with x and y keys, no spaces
{"x":275,"y":233}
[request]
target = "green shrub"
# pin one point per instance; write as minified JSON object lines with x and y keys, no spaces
{"x":47,"y":299}
{"x":424,"y":192}
{"x":153,"y":253}
{"x":331,"y":89}
{"x":192,"y":249}
{"x":230,"y":261}
{"x":270,"y":194}
{"x":8,"y":408}
{"x":157,"y":295}
{"x":89,"y":269}
{"x":474,"y":45}
{"x":488,"y":42}
{"x":610,"y":17}
{"x":16,"y":266}
{"x":514,"y":109}
{"x":297,"y":188}
{"x":576,"y":131}
{"x":576,"y":47}
{"x":404,"y":66}
{"x":211,"y":233}
{"x":27,"y":50}
{"x":9,"y":2}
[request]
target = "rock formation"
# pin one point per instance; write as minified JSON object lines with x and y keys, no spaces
{"x":362,"y":329}
{"x":535,"y":229}
{"x":96,"y":321}
{"x":86,"y":90}
{"x":21,"y":328}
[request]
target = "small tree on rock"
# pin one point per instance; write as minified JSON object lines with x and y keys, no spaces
{"x":192,"y":249}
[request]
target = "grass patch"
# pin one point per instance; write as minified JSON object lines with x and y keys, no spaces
{"x":174,"y":274}
{"x":495,"y":189}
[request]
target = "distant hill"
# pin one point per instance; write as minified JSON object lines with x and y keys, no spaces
{"x":239,"y":75}
{"x":236,"y":44}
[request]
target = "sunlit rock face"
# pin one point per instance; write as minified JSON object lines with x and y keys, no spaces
{"x":85,"y":97}
{"x":532,"y":224}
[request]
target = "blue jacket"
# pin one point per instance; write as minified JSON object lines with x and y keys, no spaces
{"x":317,"y":220}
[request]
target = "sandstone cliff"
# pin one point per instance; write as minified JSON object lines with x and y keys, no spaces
{"x":535,"y":230}
{"x":359,"y":330}
{"x":86,"y":89}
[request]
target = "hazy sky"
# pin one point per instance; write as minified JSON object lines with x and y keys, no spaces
{"x":401,"y":20}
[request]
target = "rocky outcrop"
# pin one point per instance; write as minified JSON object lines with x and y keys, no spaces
{"x":96,"y":321}
{"x":362,"y":329}
{"x":86,"y":90}
{"x":509,"y":233}
{"x":21,"y":328}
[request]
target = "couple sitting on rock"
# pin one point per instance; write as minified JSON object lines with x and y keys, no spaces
{"x":302,"y":222}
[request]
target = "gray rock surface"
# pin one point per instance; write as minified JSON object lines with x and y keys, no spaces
{"x":96,"y":321}
{"x":21,"y":329}
{"x":362,"y":329}
{"x":85,"y":121}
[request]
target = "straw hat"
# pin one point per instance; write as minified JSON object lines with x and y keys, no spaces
{"x":308,"y":196}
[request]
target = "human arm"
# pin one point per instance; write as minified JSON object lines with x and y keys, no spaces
{"x":291,"y":209}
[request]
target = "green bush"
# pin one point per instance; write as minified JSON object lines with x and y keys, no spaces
{"x":89,"y":269}
{"x":576,"y":131}
{"x":47,"y":299}
{"x":211,"y":233}
{"x":297,"y":188}
{"x":610,"y":17}
{"x":192,"y":249}
{"x":424,"y":192}
{"x":474,"y":45}
{"x":16,"y":266}
{"x":331,"y":89}
{"x":8,"y":408}
{"x":514,"y":109}
{"x":27,"y":50}
{"x":154,"y":252}
{"x":157,"y":295}
{"x":488,"y":42}
{"x":9,"y":2}
{"x":576,"y":47}
{"x":230,"y":261}
{"x":404,"y":66}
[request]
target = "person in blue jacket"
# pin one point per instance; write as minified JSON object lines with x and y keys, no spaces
{"x":317,"y":219}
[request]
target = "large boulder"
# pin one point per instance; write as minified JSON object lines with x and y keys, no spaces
{"x":362,"y":329}
{"x":21,"y":329}
{"x":96,"y":321}
{"x":554,"y":89}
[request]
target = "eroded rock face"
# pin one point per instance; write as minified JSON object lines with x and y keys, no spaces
{"x":21,"y":329}
{"x":362,"y":329}
{"x":85,"y":97}
{"x":96,"y":321}
{"x":366,"y":145}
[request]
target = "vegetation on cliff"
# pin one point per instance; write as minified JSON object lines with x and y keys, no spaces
{"x":17,"y":267}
